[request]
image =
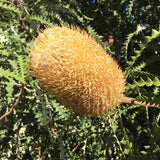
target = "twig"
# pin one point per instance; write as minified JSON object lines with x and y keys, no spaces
{"x":16,"y":2}
{"x":15,"y":104}
{"x":134,"y":101}
{"x":76,"y":147}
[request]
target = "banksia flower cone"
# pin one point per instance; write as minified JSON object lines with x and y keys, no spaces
{"x":74,"y":67}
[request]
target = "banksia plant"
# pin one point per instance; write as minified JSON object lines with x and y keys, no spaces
{"x":71,"y":65}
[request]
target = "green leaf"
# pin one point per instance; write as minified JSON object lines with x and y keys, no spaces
{"x":22,"y":65}
{"x":137,"y":52}
{"x":133,"y":58}
{"x":156,"y":81}
{"x":154,"y":33}
{"x":147,"y":39}
{"x":126,"y":151}
{"x":9,"y":89}
{"x":8,"y":73}
{"x":141,"y":46}
{"x":149,"y":82}
{"x":147,"y":147}
{"x":10,"y":8}
{"x":124,"y":141}
{"x":135,"y":83}
{"x":144,"y":152}
{"x":114,"y":127}
{"x":141,"y":82}
{"x":130,"y":63}
{"x":39,"y":18}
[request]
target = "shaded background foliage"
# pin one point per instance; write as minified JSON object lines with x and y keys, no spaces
{"x":39,"y":127}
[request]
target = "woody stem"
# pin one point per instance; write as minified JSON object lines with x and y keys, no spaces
{"x":130,"y":100}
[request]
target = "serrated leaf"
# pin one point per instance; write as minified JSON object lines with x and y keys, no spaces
{"x":92,"y":31}
{"x":130,"y":63}
{"x":21,"y":64}
{"x":126,"y":151}
{"x":135,"y":83}
{"x":38,"y":18}
{"x":124,"y":141}
{"x":141,"y":45}
{"x":14,"y":65}
{"x":133,"y":58}
{"x":139,"y":67}
{"x":10,"y":8}
{"x":149,"y":82}
{"x":141,"y":82}
{"x":128,"y":86}
{"x":8,"y":73}
{"x":9,"y":89}
{"x":137,"y":52}
{"x":114,"y":127}
{"x":156,"y":81}
{"x":130,"y":35}
{"x":131,"y":144}
{"x":147,"y":39}
{"x":156,"y":150}
{"x":154,"y":33}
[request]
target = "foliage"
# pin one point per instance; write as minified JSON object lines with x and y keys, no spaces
{"x":39,"y":127}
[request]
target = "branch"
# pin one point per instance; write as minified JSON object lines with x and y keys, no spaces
{"x":134,"y":101}
{"x":16,"y":2}
{"x":15,"y":104}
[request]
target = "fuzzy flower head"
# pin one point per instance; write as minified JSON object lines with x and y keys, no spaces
{"x":71,"y":65}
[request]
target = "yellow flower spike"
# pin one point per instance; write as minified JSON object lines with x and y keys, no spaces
{"x":74,"y":67}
